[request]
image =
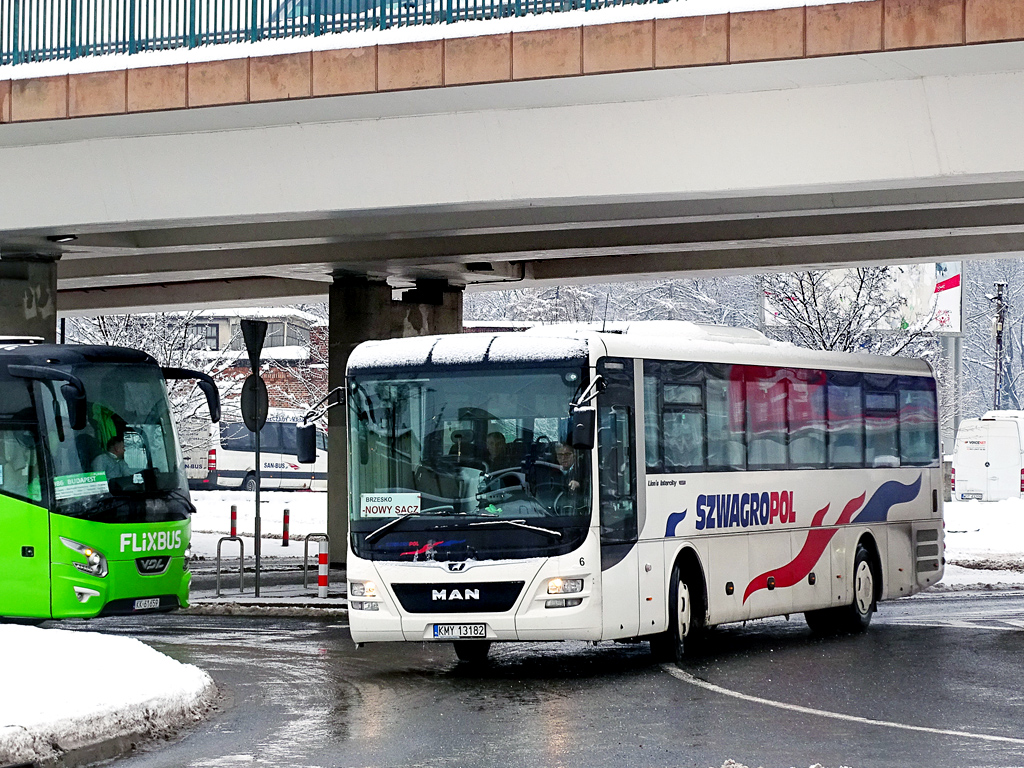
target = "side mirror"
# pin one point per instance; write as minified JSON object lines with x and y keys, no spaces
{"x":73,"y":391}
{"x":582,"y":427}
{"x":305,"y":443}
{"x":206,"y":384}
{"x":75,"y":397}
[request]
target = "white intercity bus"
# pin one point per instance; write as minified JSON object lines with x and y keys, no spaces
{"x":647,"y":482}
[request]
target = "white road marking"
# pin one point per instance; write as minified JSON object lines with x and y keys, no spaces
{"x":686,"y":677}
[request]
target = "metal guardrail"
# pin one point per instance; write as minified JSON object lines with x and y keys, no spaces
{"x":305,"y":554}
{"x":41,"y":30}
{"x":241,"y":561}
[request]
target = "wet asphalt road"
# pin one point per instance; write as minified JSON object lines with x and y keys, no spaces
{"x":297,"y":693}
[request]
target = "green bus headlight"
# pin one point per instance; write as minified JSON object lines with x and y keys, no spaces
{"x":95,"y":563}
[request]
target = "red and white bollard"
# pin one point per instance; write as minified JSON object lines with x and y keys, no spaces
{"x":284,"y":535}
{"x":324,"y":565}
{"x":234,"y":519}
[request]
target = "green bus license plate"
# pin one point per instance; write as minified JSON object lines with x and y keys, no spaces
{"x":455,"y":631}
{"x":147,"y":604}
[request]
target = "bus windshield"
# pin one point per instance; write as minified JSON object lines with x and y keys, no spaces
{"x":124,"y":465}
{"x":472,"y":464}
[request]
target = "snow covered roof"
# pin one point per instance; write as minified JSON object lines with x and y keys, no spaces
{"x":261,"y":313}
{"x":465,"y":349}
{"x":663,"y":339}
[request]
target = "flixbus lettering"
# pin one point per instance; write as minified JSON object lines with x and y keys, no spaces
{"x":743,"y":510}
{"x":148,"y":541}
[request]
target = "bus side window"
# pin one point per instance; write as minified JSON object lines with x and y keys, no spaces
{"x":19,"y":464}
{"x":725,"y":417}
{"x":881,"y":448}
{"x":807,"y":423}
{"x":917,"y":416}
{"x":845,"y":420}
{"x":766,"y":417}
{"x":616,"y":452}
{"x":652,"y":417}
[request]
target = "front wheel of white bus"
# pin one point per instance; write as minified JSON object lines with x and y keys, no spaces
{"x":856,"y":616}
{"x":685,"y":621}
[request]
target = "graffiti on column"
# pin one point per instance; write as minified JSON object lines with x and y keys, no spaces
{"x":37,"y":301}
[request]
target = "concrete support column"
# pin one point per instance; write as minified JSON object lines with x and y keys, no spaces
{"x":28,"y":296}
{"x":360,"y":310}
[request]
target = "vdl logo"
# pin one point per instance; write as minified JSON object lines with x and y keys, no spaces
{"x":466,"y":594}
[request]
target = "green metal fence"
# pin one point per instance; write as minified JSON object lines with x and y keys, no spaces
{"x":39,"y":30}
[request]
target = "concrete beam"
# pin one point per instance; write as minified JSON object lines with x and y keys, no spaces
{"x":205,"y":294}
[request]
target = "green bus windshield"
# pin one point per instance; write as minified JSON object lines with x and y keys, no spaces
{"x":124,"y":465}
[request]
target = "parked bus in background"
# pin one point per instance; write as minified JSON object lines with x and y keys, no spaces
{"x":227,"y":458}
{"x":722,"y":477}
{"x":94,"y":506}
{"x":988,"y":458}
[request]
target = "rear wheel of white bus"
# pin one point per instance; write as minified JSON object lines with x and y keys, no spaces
{"x":856,"y":616}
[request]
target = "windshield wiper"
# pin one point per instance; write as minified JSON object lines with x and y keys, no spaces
{"x":521,"y":524}
{"x":392,"y":523}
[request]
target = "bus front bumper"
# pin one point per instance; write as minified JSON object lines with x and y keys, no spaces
{"x":122,"y":591}
{"x":535,"y":616}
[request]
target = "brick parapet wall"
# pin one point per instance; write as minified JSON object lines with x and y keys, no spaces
{"x":786,"y":33}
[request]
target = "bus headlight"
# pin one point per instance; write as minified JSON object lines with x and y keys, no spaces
{"x":363,"y":605}
{"x":95,"y":563}
{"x":563,"y":602}
{"x":362,"y":589}
{"x":558,"y":586}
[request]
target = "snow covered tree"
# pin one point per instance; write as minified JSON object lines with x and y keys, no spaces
{"x":845,"y":310}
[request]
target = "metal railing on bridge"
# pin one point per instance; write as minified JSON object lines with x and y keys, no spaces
{"x":40,"y":30}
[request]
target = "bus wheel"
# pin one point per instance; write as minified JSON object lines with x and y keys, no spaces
{"x":856,"y":616}
{"x":682,"y":638}
{"x":249,"y":484}
{"x":472,"y":651}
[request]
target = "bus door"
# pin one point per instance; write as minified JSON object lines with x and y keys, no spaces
{"x":25,"y":523}
{"x":617,"y":475}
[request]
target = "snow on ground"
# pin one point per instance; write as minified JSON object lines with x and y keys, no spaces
{"x":984,"y":545}
{"x":68,"y":690}
{"x":212,"y":520}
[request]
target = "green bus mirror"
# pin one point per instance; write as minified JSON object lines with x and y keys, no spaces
{"x":305,"y":443}
{"x":75,"y":398}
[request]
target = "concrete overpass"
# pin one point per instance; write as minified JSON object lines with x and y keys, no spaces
{"x":808,"y":136}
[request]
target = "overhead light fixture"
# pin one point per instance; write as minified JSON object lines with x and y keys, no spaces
{"x":62,"y":238}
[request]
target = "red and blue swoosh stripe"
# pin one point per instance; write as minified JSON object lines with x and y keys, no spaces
{"x":888,"y":495}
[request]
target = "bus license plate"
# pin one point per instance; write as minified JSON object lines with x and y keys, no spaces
{"x":455,"y":631}
{"x":147,"y":603}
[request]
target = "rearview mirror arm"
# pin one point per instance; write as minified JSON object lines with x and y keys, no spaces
{"x":205,"y":382}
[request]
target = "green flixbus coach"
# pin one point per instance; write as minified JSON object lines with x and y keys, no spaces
{"x":94,"y":504}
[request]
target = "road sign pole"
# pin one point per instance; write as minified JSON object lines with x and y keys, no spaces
{"x":254,"y":412}
{"x":258,"y":483}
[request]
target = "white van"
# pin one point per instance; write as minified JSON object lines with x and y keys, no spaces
{"x":988,"y":463}
{"x":227,"y":461}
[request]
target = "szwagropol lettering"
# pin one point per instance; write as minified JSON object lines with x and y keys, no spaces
{"x":744,"y":510}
